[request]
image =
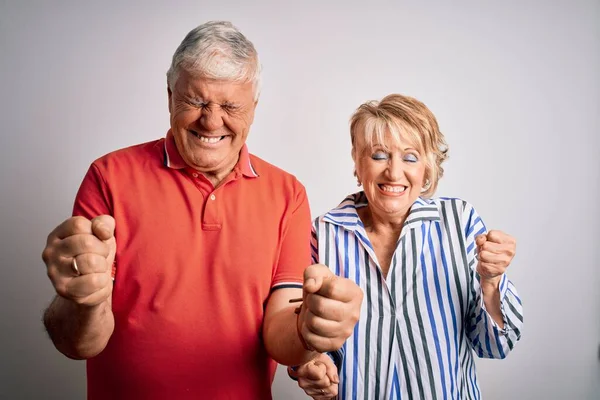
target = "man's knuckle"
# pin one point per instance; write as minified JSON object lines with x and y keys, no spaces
{"x":334,"y":289}
{"x":50,"y":238}
{"x":47,"y":254}
{"x":96,"y":263}
{"x":337,"y":314}
{"x":51,"y":273}
{"x":347,"y":333}
{"x":62,"y":289}
{"x":99,"y":281}
{"x":313,"y":303}
{"x":319,"y":345}
{"x":88,"y":243}
{"x":79,"y":300}
{"x":79,"y":224}
{"x":310,"y":270}
{"x":312,"y":324}
{"x":302,"y":382}
{"x":320,"y":309}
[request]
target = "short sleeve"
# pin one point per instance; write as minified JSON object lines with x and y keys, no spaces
{"x":295,"y":255}
{"x":93,"y":196}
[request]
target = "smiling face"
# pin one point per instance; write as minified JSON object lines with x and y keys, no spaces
{"x":210,"y":121}
{"x":398,"y":151}
{"x":392,"y":174}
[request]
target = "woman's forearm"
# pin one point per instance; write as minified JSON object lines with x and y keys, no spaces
{"x":491,"y":298}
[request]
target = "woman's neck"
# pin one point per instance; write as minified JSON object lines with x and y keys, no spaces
{"x":381,"y":224}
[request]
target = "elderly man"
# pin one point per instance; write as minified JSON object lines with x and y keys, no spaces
{"x":175,"y":274}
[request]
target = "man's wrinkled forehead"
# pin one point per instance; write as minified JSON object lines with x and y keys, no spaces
{"x":198,"y":86}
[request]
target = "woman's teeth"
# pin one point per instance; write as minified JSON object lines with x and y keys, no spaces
{"x":393,"y":189}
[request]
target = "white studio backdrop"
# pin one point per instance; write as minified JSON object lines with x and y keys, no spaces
{"x":515,"y":87}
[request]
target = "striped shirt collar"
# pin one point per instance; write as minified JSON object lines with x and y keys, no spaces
{"x":346,"y":215}
{"x":172,"y":158}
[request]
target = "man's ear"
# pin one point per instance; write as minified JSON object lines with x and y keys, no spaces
{"x":170,"y":95}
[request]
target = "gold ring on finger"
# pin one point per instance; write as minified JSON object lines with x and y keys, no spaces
{"x":74,"y":267}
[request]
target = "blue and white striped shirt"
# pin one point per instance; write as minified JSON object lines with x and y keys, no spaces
{"x":420,"y":325}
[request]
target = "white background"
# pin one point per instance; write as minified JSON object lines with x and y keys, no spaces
{"x":515,"y":86}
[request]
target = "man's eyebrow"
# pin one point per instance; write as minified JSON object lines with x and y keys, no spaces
{"x":197,"y":99}
{"x":231,"y":103}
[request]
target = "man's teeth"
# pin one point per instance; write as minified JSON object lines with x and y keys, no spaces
{"x":393,"y":189}
{"x":210,"y":139}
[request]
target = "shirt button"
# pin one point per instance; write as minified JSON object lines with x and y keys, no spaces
{"x":195,"y":175}
{"x":212,"y":197}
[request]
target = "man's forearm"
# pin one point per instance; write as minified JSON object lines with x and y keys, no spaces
{"x":79,"y":332}
{"x":282,"y":341}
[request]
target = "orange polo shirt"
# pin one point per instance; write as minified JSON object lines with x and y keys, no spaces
{"x":193,"y":271}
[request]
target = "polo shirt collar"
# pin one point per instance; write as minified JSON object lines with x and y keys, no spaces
{"x":172,"y":158}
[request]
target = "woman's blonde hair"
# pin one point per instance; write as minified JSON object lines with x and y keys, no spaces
{"x":403,"y":117}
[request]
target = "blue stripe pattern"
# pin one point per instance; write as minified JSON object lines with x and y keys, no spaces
{"x":448,"y":303}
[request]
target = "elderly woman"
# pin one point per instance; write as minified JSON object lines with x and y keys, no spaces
{"x":434,"y":278}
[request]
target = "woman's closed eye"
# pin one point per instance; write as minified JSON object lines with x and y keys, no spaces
{"x":379,"y":155}
{"x":412,"y":158}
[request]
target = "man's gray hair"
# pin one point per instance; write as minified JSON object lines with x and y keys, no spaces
{"x":217,"y":50}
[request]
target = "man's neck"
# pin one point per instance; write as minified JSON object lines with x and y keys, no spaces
{"x":217,"y":178}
